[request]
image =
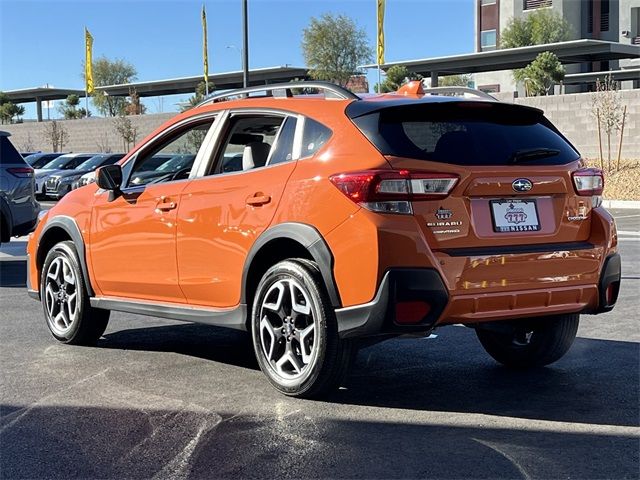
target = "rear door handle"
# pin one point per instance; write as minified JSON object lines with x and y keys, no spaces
{"x":258,"y":200}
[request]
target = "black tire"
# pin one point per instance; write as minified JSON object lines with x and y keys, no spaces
{"x":5,"y":235}
{"x":89,"y":323}
{"x":331,"y":357}
{"x":531,"y":343}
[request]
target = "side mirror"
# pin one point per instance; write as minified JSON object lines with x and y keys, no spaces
{"x":109,"y":177}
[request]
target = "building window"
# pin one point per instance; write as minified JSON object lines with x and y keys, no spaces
{"x":488,"y":40}
{"x":604,"y":16}
{"x":533,"y":4}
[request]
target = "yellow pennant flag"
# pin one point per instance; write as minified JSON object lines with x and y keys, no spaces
{"x":88,"y":65}
{"x":380,"y":43}
{"x":205,"y":54}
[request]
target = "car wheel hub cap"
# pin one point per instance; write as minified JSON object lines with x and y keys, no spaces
{"x":60,"y":296}
{"x":288,"y":329}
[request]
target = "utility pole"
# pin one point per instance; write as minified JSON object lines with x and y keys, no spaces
{"x":245,"y":45}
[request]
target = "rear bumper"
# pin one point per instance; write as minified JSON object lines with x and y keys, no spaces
{"x":378,"y":317}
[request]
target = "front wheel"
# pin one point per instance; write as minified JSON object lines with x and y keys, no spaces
{"x":69,"y":315}
{"x":531,"y":343}
{"x":295,"y":333}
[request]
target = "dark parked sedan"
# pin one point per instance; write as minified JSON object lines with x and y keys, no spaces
{"x":59,"y":184}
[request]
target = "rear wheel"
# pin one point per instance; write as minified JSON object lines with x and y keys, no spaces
{"x":69,"y":315}
{"x":295,"y":333}
{"x":531,"y":343}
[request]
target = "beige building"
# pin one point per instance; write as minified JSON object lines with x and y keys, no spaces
{"x":610,"y":20}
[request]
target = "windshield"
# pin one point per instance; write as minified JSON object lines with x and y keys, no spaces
{"x":92,"y":163}
{"x":59,"y":163}
{"x":466,"y":134}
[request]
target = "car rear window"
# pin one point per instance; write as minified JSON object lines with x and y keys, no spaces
{"x":8,"y":153}
{"x":467,"y":133}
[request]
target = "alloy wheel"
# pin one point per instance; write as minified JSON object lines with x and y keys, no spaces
{"x":288,"y":329}
{"x":61,"y":295}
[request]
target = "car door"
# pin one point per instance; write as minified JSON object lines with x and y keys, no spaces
{"x":133,"y":244}
{"x":232,"y":203}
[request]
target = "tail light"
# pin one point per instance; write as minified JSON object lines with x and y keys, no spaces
{"x":392,"y":191}
{"x":589,"y":182}
{"x":21,"y":172}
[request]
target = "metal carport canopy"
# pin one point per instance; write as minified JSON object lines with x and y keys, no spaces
{"x":218,"y":81}
{"x":574,"y":51}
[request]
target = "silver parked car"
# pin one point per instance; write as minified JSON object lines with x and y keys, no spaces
{"x":18,"y":206}
{"x":68,"y":161}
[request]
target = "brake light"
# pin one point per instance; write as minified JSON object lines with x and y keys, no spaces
{"x":392,"y":191}
{"x":589,"y":182}
{"x":21,"y":172}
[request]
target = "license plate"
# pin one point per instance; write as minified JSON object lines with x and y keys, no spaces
{"x":514,"y":215}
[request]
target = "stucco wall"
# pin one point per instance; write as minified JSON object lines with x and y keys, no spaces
{"x":85,"y":135}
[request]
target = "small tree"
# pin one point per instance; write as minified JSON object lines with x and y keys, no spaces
{"x":69,"y":109}
{"x":536,"y":28}
{"x":541,"y":74}
{"x":196,"y":98}
{"x":607,"y":108}
{"x":127,"y":131}
{"x":56,"y":135}
{"x":454,"y":80}
{"x":396,"y":77}
{"x":9,"y":110}
{"x":133,"y":105}
{"x":333,"y":47}
{"x":111,"y":72}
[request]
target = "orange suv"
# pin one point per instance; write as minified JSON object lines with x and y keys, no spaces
{"x":320,"y":222}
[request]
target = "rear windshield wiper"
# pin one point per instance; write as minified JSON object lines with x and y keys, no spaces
{"x":533,"y":154}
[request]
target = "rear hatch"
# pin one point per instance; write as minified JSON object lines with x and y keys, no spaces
{"x":514,"y":173}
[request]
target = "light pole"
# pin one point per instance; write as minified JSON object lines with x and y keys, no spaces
{"x":245,"y":45}
{"x":239,"y":50}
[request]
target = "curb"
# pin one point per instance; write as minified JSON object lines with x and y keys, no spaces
{"x":621,"y":204}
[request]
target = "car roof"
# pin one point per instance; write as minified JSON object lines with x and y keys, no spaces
{"x":4,"y":134}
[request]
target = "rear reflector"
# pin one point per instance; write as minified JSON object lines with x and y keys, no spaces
{"x":392,"y":191}
{"x":410,"y":313}
{"x":21,"y":172}
{"x":588,"y":181}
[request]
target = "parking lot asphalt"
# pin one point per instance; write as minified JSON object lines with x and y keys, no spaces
{"x":165,"y":399}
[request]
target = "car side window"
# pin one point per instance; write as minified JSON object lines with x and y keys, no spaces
{"x":247,"y":143}
{"x":172,"y":158}
{"x":314,"y":137}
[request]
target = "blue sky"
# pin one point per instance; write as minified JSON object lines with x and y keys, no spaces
{"x":41,"y":42}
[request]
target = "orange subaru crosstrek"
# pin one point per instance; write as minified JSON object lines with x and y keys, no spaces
{"x":321,"y":222}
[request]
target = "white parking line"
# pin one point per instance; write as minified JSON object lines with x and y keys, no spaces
{"x":627,"y":216}
{"x":627,"y":232}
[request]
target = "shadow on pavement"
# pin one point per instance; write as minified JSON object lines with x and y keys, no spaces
{"x":13,"y":273}
{"x":202,"y":341}
{"x":596,"y":382}
{"x":106,"y":442}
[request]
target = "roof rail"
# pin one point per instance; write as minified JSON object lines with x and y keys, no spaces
{"x":450,"y":90}
{"x":330,"y":90}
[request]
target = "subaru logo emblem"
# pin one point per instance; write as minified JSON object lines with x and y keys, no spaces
{"x":522,"y":185}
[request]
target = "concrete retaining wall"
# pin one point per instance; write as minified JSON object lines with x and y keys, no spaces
{"x":85,"y":135}
{"x":571,"y":113}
